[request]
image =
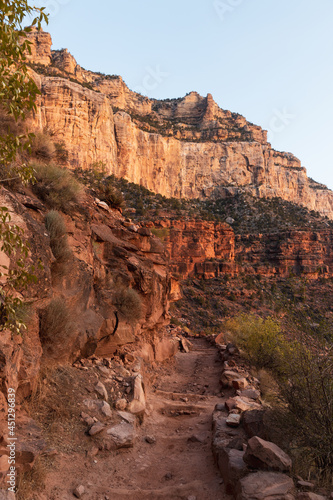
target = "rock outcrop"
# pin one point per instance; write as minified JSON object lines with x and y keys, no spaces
{"x":185,"y":147}
{"x":209,"y":250}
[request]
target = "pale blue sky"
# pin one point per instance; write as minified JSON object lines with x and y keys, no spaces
{"x":269,"y":60}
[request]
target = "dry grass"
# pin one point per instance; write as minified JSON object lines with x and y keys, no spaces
{"x":54,"y":405}
{"x":129,"y":304}
{"x":55,"y":323}
{"x":55,"y":225}
{"x":42,"y":147}
{"x":56,"y":186}
{"x":31,"y":482}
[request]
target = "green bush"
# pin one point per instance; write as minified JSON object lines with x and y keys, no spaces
{"x":260,"y":339}
{"x":56,"y":186}
{"x":129,"y":304}
{"x":55,"y":225}
{"x":161,"y":233}
{"x":303,"y":416}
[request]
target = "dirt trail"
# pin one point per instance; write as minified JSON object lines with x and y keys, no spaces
{"x":178,"y":464}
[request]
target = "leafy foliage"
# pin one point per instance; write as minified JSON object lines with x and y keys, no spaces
{"x":305,"y":382}
{"x":14,"y":277}
{"x":17,"y":98}
{"x":17,"y":89}
{"x":306,"y":418}
{"x":261,"y":339}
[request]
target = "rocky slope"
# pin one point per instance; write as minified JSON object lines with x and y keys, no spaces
{"x":77,"y":295}
{"x":185,"y":147}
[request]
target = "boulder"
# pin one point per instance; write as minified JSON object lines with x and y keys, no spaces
{"x":253,"y":423}
{"x":242,"y":404}
{"x":97,"y":428}
{"x":240,"y":383}
{"x":232,"y":467}
{"x":122,"y":435}
{"x":101,"y":390}
{"x":79,"y":491}
{"x":138,"y":405}
{"x":265,"y":486}
{"x":262,"y":454}
{"x":234,"y":419}
{"x":128,"y":417}
{"x":250,"y":393}
{"x":227,"y":377}
{"x":121,"y":404}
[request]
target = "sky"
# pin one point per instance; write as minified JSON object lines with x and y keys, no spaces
{"x":269,"y":60}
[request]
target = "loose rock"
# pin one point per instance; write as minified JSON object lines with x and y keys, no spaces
{"x":101,"y":390}
{"x":262,"y":454}
{"x":122,"y":435}
{"x":79,"y":491}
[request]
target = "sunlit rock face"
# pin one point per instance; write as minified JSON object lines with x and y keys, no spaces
{"x":186,"y":147}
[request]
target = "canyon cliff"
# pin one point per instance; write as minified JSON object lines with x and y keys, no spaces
{"x":183,"y":148}
{"x":210,"y":250}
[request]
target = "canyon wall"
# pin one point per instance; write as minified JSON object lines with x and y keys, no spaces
{"x":185,"y":147}
{"x":210,"y":250}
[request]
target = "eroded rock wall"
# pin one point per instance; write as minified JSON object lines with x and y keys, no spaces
{"x":210,"y":250}
{"x":186,"y":147}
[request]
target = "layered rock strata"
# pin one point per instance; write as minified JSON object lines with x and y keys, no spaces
{"x":209,"y":250}
{"x":185,"y":147}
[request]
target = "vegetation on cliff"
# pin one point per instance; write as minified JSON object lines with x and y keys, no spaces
{"x":17,"y":98}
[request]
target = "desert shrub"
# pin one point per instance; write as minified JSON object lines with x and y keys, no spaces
{"x":161,"y":233}
{"x":55,"y":225}
{"x":129,"y":304}
{"x":56,"y":186}
{"x":55,"y":322}
{"x":61,"y":152}
{"x":306,"y":417}
{"x":110,"y":194}
{"x":260,"y":339}
{"x":42,"y":147}
{"x":303,"y":390}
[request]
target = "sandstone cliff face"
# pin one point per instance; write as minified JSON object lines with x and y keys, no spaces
{"x":40,"y":44}
{"x":79,"y":117}
{"x":193,"y":245}
{"x":308,"y":253}
{"x":209,"y":250}
{"x":186,"y":147}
